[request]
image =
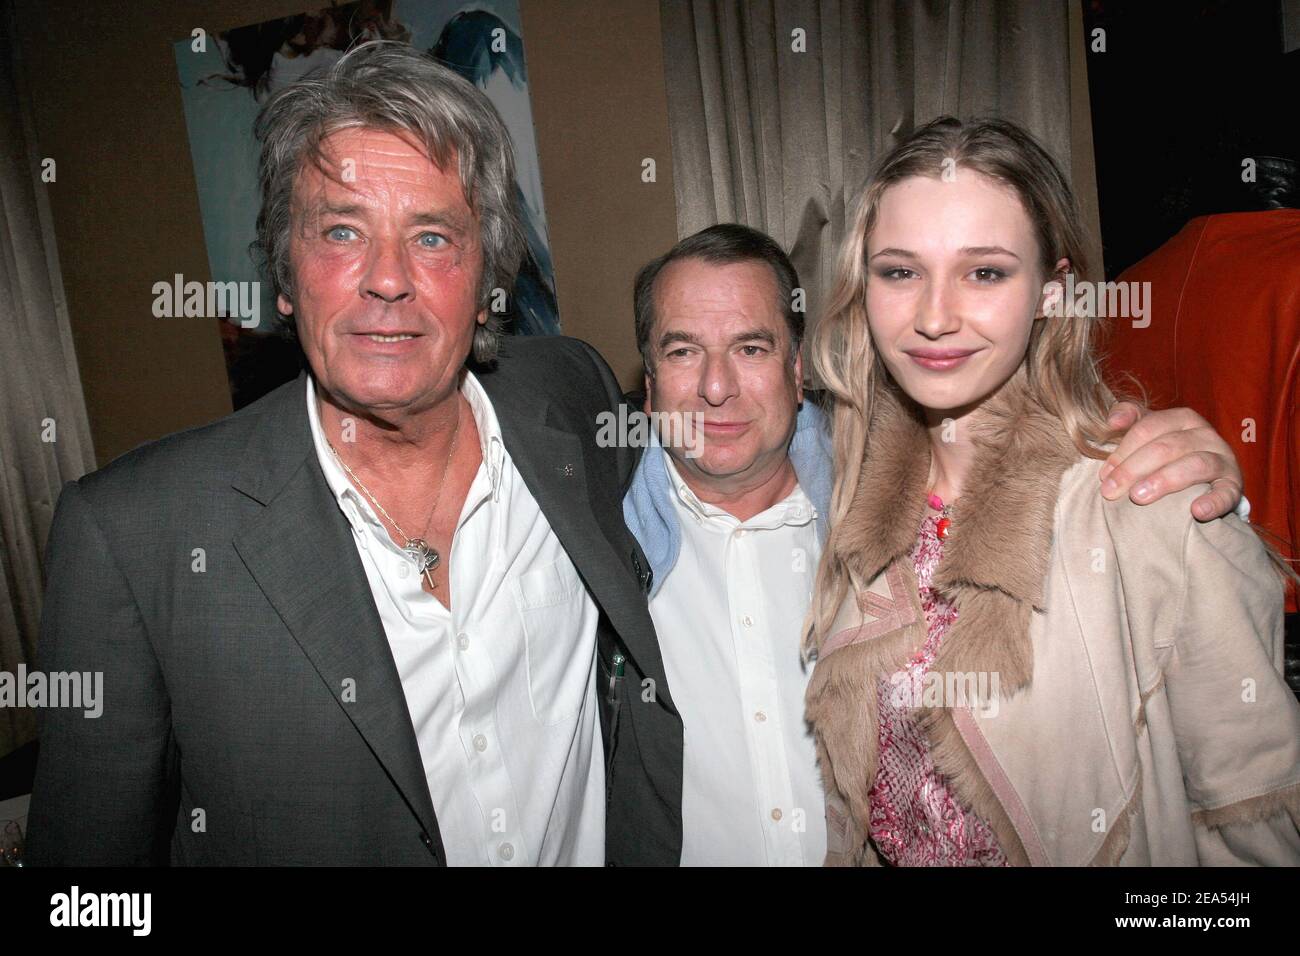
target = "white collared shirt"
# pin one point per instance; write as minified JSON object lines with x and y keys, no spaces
{"x":501,"y":688}
{"x":729,"y":617}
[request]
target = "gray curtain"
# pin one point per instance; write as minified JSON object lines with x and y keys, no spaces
{"x":39,"y":381}
{"x":782,"y":140}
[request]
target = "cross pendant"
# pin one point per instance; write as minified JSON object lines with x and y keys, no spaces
{"x":425,"y":557}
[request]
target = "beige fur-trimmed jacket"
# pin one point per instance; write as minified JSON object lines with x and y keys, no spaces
{"x":1140,"y":716}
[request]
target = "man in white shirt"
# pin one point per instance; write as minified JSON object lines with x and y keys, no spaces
{"x":733,"y":527}
{"x":491,"y":630}
{"x":500,"y":680}
{"x":734,"y":531}
{"x":362,"y":620}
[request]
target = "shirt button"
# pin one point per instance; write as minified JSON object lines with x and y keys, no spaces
{"x":480,"y":743}
{"x":760,"y":716}
{"x":747,"y":621}
{"x":507,"y":851}
{"x":740,"y":533}
{"x":462,"y":641}
{"x":776,"y":814}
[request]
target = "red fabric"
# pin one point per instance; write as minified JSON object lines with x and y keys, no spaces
{"x":1224,"y":339}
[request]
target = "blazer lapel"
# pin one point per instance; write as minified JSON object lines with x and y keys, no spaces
{"x":300,"y":552}
{"x":554,"y":466}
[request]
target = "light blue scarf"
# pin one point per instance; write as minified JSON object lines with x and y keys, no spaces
{"x":648,"y":507}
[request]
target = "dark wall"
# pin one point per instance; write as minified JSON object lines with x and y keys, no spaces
{"x":1184,"y":92}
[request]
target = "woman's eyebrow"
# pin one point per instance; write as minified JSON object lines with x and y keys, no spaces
{"x":896,"y":253}
{"x":966,"y":251}
{"x":988,"y":251}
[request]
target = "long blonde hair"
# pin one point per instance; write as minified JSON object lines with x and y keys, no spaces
{"x":1062,"y":370}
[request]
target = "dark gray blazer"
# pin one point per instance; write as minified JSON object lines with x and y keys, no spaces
{"x":224,"y":738}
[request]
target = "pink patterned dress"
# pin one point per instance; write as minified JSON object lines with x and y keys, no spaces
{"x":916,"y":820}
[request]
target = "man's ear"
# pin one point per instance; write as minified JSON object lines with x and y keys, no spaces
{"x":283,"y":304}
{"x":645,"y":406}
{"x":1052,"y":300}
{"x":798,"y":376}
{"x":482,"y":317}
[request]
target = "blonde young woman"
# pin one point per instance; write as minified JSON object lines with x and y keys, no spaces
{"x":1011,"y":669}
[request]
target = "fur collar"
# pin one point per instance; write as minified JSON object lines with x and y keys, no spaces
{"x":998,"y":550}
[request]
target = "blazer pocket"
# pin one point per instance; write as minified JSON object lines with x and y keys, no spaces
{"x":550,"y":602}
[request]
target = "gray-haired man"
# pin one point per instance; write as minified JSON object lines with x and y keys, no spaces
{"x":358,"y":621}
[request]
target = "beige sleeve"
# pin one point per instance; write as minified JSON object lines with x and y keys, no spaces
{"x":1236,"y":722}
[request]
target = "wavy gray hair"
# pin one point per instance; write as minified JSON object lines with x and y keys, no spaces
{"x":390,"y":86}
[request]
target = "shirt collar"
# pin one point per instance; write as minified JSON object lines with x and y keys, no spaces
{"x":795,"y":509}
{"x":491,"y":444}
{"x":353,"y":503}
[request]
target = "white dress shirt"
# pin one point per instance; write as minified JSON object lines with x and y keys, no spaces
{"x":501,"y":688}
{"x":729,"y":616}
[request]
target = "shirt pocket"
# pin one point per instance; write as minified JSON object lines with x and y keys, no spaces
{"x":552,"y":606}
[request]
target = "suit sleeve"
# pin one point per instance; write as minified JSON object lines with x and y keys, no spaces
{"x":1236,"y":722}
{"x":101,"y":795}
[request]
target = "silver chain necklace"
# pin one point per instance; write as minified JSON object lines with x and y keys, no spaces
{"x":425,"y":557}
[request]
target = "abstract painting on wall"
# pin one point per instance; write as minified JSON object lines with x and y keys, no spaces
{"x":227,"y":76}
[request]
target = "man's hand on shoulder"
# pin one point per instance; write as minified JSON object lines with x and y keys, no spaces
{"x":1164,"y":452}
